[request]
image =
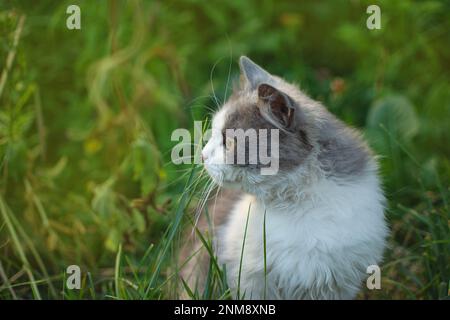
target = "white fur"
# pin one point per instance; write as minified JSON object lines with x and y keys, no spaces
{"x":317,"y":249}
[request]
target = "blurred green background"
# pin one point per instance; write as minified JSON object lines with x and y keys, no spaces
{"x":86,"y":117}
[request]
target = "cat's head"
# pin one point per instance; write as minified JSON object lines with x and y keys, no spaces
{"x":267,"y":107}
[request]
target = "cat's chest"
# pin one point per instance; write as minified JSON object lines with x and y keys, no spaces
{"x":258,"y":229}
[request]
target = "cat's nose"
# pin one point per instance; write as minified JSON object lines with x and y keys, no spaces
{"x":204,"y":157}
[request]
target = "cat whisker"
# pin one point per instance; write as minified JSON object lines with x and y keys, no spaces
{"x":216,"y":99}
{"x":229,"y":68}
{"x":203,"y":201}
{"x":214,"y":209}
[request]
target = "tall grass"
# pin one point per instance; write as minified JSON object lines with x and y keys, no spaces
{"x":86,"y":118}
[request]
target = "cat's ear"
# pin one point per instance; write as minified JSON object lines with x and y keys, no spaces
{"x":278,"y":104}
{"x":252,"y":73}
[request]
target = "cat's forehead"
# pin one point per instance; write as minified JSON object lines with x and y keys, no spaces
{"x":218,"y":121}
{"x":240,"y":112}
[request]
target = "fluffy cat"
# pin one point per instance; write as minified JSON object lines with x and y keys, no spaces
{"x":323,"y":210}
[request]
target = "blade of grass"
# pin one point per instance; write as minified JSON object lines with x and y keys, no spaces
{"x":171,"y":234}
{"x":91,"y":286}
{"x":265,"y":255}
{"x":242,"y":253}
{"x":34,"y":252}
{"x":6,"y":281}
{"x":19,"y":248}
{"x":188,"y":290}
{"x":117,"y":272}
{"x":11,"y":53}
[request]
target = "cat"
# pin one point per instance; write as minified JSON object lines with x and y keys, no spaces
{"x":312,"y":229}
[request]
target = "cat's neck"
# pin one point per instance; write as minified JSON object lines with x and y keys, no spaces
{"x":295,"y":188}
{"x":311,"y":187}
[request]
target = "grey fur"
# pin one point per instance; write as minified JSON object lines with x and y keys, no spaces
{"x":343,"y":154}
{"x":294,"y":147}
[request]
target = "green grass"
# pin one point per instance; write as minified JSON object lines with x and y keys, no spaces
{"x":86,"y":118}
